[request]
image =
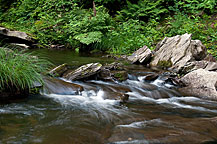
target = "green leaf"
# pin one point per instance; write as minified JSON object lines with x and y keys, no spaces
{"x":90,"y":37}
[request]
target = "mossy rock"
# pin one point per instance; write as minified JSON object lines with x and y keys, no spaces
{"x":120,"y":75}
{"x":164,"y":64}
{"x":59,"y":70}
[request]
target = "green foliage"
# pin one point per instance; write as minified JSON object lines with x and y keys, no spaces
{"x":202,"y":28}
{"x":90,"y":37}
{"x":125,"y":38}
{"x":89,"y":29}
{"x":18,"y":70}
{"x":119,"y":27}
{"x":194,"y":6}
{"x":144,"y":10}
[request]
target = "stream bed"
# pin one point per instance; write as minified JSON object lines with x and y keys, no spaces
{"x":155,"y":112}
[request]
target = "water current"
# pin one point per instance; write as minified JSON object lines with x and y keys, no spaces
{"x":155,"y":112}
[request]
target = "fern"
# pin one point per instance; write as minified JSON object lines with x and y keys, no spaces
{"x":90,"y":37}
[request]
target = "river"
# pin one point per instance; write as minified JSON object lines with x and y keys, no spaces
{"x":155,"y":112}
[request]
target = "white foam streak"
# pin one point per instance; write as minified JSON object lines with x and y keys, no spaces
{"x":158,"y":82}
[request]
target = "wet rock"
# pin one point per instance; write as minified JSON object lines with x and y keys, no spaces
{"x":151,"y":77}
{"x":110,"y":72}
{"x":59,"y":70}
{"x":114,"y":66}
{"x":201,"y":83}
{"x":176,"y":51}
{"x":116,"y":57}
{"x":142,"y":55}
{"x":119,"y":75}
{"x":123,"y":97}
{"x":84,"y":71}
{"x":105,"y":75}
{"x":57,"y":46}
{"x":58,"y":86}
{"x":191,"y":66}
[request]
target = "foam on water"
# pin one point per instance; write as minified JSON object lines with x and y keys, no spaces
{"x":158,"y":82}
{"x":142,"y":124}
{"x":176,"y":103}
{"x":173,"y":102}
{"x":93,"y":103}
{"x":132,"y":142}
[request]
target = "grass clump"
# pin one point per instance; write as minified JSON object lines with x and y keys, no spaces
{"x":19,"y":71}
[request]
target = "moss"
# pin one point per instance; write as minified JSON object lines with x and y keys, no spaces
{"x":120,"y":75}
{"x":164,"y":64}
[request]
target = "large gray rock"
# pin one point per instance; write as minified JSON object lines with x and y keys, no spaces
{"x":17,"y":38}
{"x":83,"y":71}
{"x":18,"y":34}
{"x":201,"y":83}
{"x":142,"y":55}
{"x":194,"y":65}
{"x":176,"y":51}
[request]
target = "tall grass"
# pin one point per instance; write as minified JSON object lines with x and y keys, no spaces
{"x":19,"y":70}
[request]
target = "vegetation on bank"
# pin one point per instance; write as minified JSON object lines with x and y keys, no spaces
{"x":115,"y":26}
{"x":19,"y":71}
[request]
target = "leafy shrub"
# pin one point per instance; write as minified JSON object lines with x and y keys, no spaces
{"x":144,"y":10}
{"x":18,"y":70}
{"x":124,"y":38}
{"x":136,"y":23}
{"x":199,"y":27}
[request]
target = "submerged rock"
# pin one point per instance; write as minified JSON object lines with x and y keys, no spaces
{"x":176,"y":51}
{"x":142,"y":55}
{"x":83,"y":71}
{"x":151,"y":77}
{"x":58,"y":86}
{"x":201,"y":83}
{"x":122,"y":97}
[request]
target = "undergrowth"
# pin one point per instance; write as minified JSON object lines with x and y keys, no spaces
{"x":118,"y":27}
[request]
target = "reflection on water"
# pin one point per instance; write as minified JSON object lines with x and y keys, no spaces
{"x":155,"y":113}
{"x":70,"y":57}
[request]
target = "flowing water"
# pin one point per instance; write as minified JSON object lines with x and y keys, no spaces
{"x":155,"y":113}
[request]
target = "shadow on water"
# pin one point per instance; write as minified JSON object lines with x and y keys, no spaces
{"x":155,"y":112}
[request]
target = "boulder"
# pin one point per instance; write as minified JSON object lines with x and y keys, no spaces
{"x":113,"y":66}
{"x":119,"y":75}
{"x":113,"y":71}
{"x":18,"y":34}
{"x":59,"y":70}
{"x":105,"y":74}
{"x":142,"y":55}
{"x":84,"y":71}
{"x":17,"y":37}
{"x":194,"y":65}
{"x":176,"y":51}
{"x":201,"y":83}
